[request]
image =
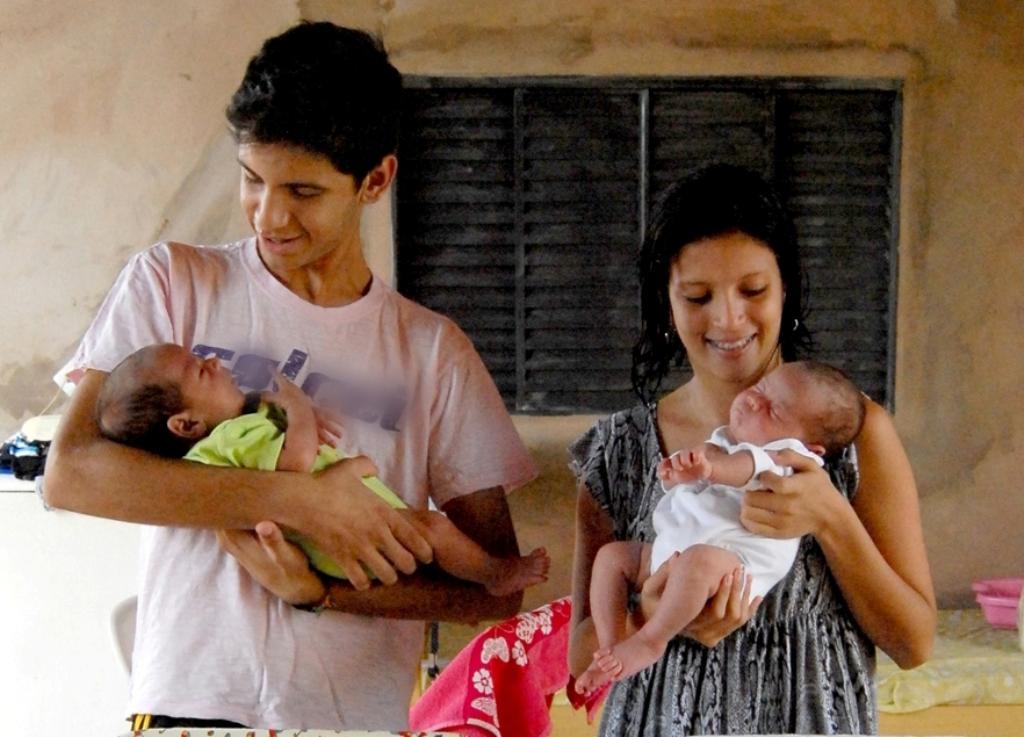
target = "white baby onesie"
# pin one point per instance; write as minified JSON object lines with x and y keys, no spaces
{"x":704,"y":513}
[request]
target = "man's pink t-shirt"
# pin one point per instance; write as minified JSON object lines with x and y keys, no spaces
{"x":414,"y":396}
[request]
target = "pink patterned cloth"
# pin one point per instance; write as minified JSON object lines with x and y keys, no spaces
{"x":501,"y":683}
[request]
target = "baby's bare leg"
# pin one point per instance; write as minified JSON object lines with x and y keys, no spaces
{"x":694,"y":576}
{"x":462,"y":557}
{"x":619,"y":567}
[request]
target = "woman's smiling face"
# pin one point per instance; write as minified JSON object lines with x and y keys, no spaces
{"x":726,"y":294}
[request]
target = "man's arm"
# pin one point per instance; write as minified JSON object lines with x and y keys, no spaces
{"x":429,"y":594}
{"x":87,"y":473}
{"x":432,"y":594}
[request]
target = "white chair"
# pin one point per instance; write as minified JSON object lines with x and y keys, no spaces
{"x":122,"y":629}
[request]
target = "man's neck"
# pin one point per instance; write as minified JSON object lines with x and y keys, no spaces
{"x":331,"y":289}
{"x":338,"y":279}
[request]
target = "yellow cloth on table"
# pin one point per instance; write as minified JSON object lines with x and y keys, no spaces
{"x":972,"y":664}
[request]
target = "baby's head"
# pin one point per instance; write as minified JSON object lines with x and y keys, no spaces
{"x":163,"y":398}
{"x":808,"y":400}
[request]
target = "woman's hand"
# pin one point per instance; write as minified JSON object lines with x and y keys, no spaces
{"x":726,"y":611}
{"x":791,"y":506}
{"x":279,"y":566}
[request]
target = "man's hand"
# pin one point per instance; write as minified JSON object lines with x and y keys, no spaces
{"x":351,"y":524}
{"x":275,"y":563}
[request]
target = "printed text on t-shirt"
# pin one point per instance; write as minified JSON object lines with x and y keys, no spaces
{"x":378,"y":404}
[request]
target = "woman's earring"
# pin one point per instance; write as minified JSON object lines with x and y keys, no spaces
{"x":796,"y":323}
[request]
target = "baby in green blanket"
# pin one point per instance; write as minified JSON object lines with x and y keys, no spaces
{"x":167,"y":400}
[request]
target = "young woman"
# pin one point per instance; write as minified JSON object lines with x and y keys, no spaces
{"x":721,"y":286}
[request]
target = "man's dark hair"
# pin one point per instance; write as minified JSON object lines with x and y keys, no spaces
{"x":325,"y":89}
{"x":135,"y":412}
{"x":842,"y":413}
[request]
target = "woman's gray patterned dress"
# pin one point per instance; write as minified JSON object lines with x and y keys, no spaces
{"x":801,"y":665}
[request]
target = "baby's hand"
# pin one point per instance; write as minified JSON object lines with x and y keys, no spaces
{"x":286,"y":393}
{"x":304,"y":432}
{"x":684,"y":466}
{"x":328,"y":425}
{"x":285,"y":387}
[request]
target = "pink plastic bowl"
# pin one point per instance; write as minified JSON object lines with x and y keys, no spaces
{"x":999,"y":599}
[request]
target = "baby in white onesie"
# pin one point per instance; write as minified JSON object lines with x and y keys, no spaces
{"x":806,"y":406}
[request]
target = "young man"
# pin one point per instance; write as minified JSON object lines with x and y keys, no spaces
{"x":315,"y":119}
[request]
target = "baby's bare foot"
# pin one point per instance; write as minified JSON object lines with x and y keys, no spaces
{"x":632,"y":655}
{"x":515,"y":574}
{"x":603,"y":670}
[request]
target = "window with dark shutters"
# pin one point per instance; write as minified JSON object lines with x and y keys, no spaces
{"x":520,"y":205}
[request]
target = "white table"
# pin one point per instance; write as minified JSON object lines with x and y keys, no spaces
{"x":9,"y":483}
{"x":61,"y":574}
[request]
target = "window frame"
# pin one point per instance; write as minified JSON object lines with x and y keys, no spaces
{"x":643,"y":87}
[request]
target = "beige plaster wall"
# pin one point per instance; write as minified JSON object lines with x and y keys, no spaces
{"x":111,"y":136}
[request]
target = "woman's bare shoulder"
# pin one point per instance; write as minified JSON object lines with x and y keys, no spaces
{"x":879,"y":428}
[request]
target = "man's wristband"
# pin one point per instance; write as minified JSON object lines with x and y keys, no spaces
{"x":324,"y":602}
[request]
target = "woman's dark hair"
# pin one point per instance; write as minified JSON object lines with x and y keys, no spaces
{"x":707,"y":202}
{"x":323,"y":88}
